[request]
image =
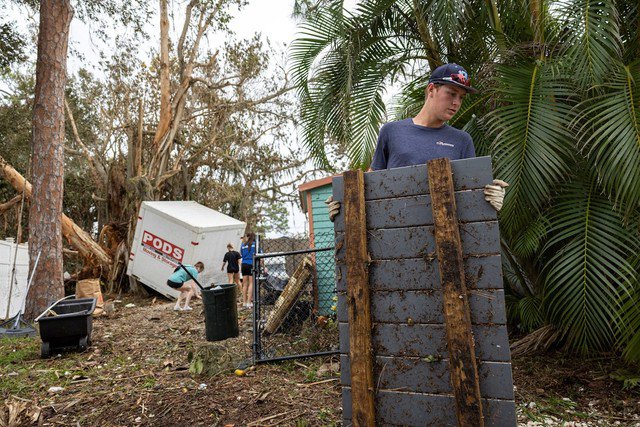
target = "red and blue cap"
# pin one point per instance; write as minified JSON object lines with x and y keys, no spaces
{"x":454,"y":75}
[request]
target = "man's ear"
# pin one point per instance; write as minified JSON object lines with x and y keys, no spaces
{"x":431,"y":88}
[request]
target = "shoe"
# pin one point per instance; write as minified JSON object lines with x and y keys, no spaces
{"x":176,"y":308}
{"x":187,"y":308}
{"x":250,"y":305}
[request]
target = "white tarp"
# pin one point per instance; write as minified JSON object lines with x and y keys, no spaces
{"x":19,"y":291}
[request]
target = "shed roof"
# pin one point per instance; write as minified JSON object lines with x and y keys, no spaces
{"x":310,"y":185}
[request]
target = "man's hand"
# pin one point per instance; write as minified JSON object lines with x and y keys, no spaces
{"x":494,"y":193}
{"x":334,"y":208}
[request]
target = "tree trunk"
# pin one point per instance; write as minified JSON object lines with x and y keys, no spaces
{"x":47,"y":163}
{"x":165,"y":81}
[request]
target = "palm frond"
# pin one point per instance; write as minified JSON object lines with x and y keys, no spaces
{"x":610,"y":134}
{"x":592,"y":39}
{"x":629,"y":10}
{"x":527,"y":243}
{"x":587,"y":269}
{"x":525,"y":312}
{"x":532,"y":144}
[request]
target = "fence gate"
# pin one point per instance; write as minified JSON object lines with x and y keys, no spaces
{"x":295,"y":301}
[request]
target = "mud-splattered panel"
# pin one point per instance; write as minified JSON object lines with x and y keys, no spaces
{"x":411,"y":365}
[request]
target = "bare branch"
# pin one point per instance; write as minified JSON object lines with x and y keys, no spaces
{"x":11,"y":203}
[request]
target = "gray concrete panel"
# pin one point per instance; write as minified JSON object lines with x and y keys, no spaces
{"x":478,"y":238}
{"x":468,"y":174}
{"x":416,"y":211}
{"x":426,"y":340}
{"x":487,"y":307}
{"x":432,"y":376}
{"x":484,"y":272}
{"x":394,"y":408}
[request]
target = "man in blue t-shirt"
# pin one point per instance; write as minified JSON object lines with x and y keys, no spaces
{"x":427,"y":136}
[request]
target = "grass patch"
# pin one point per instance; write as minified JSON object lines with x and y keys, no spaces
{"x":18,"y":350}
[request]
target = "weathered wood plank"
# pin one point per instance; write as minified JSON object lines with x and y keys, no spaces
{"x":462,"y":360}
{"x":468,"y":174}
{"x":484,"y":272}
{"x":425,"y":306}
{"x":424,"y":340}
{"x":397,"y":408}
{"x":478,"y":238}
{"x":420,"y":375}
{"x":358,"y":297}
{"x":415,"y":211}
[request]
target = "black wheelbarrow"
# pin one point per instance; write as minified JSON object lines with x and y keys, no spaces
{"x":66,"y":325}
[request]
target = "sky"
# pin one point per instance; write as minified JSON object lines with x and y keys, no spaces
{"x":271,"y":18}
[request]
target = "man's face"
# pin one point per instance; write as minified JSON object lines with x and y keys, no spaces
{"x":445,"y":100}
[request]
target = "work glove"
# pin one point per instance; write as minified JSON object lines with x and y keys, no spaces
{"x":494,"y":193}
{"x":334,"y":208}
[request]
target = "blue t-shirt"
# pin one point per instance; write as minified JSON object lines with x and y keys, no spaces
{"x":404,"y":143}
{"x":181,"y":276}
{"x":247,"y":252}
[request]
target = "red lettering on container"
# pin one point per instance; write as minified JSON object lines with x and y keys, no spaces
{"x":161,"y":245}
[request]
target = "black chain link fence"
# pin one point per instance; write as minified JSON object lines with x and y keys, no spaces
{"x":295,"y":299}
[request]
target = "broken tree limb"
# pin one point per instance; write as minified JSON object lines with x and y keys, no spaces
{"x":11,"y":203}
{"x":77,"y":237}
{"x":98,"y":172}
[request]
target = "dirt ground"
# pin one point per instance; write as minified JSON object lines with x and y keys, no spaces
{"x":149,"y":365}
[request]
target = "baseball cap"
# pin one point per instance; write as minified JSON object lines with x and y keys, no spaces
{"x":454,"y":75}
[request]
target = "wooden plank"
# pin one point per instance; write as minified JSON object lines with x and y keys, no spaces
{"x":414,"y":211}
{"x":358,"y":297}
{"x":397,"y":408}
{"x":424,"y":340}
{"x":484,"y":272}
{"x":289,"y":295}
{"x":462,"y":360}
{"x":425,"y":306}
{"x":468,"y":174}
{"x":432,"y":376}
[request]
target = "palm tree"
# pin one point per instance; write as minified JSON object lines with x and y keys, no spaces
{"x":559,"y":113}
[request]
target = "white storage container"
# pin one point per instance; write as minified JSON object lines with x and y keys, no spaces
{"x":185,"y":232}
{"x":19,"y":292}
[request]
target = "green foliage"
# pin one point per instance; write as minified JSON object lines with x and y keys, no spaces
{"x":587,"y":273}
{"x":558,"y":112}
{"x":629,"y":379}
{"x":11,"y":47}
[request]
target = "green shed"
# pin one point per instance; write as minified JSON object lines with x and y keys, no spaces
{"x":312,"y":197}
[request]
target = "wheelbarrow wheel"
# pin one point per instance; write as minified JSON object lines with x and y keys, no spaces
{"x":84,"y":343}
{"x":45,"y":350}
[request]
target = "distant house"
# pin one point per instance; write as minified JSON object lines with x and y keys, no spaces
{"x":312,"y":197}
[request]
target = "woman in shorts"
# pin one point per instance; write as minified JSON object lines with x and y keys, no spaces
{"x":231,"y":259}
{"x":181,"y":281}
{"x":247,"y":251}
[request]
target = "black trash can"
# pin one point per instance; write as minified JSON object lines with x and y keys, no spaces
{"x":220,"y":312}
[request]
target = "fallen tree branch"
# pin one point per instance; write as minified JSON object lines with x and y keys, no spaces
{"x":77,"y":237}
{"x":11,"y":203}
{"x":262,"y":420}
